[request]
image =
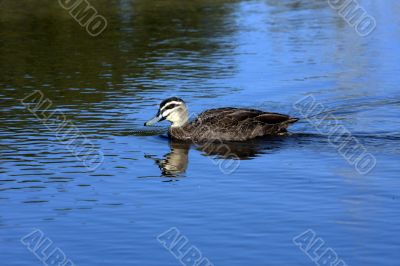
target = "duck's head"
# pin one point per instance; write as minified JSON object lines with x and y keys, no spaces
{"x":172,"y":109}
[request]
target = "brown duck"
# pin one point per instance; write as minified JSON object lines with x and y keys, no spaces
{"x":222,"y":124}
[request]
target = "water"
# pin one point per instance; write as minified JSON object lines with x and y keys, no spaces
{"x":260,"y":54}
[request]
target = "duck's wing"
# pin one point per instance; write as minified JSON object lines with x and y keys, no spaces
{"x":216,"y":113}
{"x":240,"y":115}
{"x":275,"y":118}
{"x":237,"y":124}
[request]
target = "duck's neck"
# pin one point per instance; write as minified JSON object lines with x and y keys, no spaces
{"x":180,"y":119}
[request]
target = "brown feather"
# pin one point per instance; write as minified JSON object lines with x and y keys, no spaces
{"x":232,"y":124}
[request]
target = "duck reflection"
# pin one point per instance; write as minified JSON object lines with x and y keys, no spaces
{"x":175,"y":162}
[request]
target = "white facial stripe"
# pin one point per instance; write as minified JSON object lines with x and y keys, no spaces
{"x":170,"y":103}
{"x":167,"y":112}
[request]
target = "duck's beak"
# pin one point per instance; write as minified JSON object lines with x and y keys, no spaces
{"x":154,"y":120}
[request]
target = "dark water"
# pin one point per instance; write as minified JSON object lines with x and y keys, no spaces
{"x":260,"y":54}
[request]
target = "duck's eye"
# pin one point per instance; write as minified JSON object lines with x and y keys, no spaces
{"x":170,"y":106}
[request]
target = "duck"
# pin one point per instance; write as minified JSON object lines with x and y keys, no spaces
{"x":220,"y":124}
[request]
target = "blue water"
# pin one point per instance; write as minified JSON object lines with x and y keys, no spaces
{"x":258,"y":54}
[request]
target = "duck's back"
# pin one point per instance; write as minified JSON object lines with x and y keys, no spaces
{"x":233,"y":124}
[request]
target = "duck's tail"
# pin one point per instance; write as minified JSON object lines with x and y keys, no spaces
{"x":292,"y":120}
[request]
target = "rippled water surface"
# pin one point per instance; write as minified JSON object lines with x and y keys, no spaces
{"x":260,"y":54}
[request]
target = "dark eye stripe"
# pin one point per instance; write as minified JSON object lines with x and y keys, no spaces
{"x":169,"y":107}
